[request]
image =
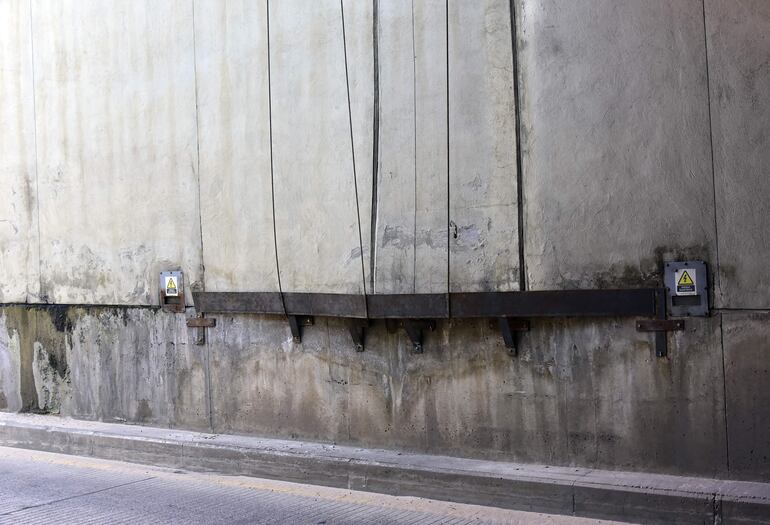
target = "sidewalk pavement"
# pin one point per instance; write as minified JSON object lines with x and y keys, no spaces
{"x":624,"y":496}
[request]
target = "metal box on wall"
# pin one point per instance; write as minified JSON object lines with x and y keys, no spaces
{"x":686,"y":288}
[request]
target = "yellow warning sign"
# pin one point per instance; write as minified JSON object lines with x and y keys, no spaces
{"x":685,"y":280}
{"x":171,"y":288}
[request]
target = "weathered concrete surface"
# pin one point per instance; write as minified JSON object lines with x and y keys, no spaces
{"x":395,"y":258}
{"x":19,"y":279}
{"x":432,"y":156}
{"x":482,"y":148}
{"x":739,"y":68}
{"x":616,"y":150}
{"x":648,"y":498}
{"x":117,"y":154}
{"x":359,"y":44}
{"x":747,"y":388}
{"x":231,"y":52}
{"x":110,"y":364}
{"x":10,"y":369}
{"x":319,"y":248}
{"x":581,"y":394}
{"x":411,"y":222}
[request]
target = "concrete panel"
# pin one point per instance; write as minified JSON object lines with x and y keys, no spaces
{"x":747,"y":387}
{"x":411,"y":252}
{"x":19,"y":261}
{"x":431,"y":155}
{"x":739,"y":68}
{"x":136,"y":365}
{"x":319,"y":248}
{"x":248,"y":355}
{"x":359,"y":41}
{"x":115,"y":94}
{"x":482,"y":148}
{"x":395,"y":250}
{"x":617,"y":163}
{"x":580,"y":394}
{"x":231,"y":53}
{"x":583,"y":394}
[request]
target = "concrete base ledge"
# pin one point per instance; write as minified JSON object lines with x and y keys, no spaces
{"x":630,"y":496}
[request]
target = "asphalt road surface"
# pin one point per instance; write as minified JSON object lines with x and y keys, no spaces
{"x":39,"y":487}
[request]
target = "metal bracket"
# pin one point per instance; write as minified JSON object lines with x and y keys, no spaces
{"x":200,"y":324}
{"x":413,"y":329}
{"x":509,"y":328}
{"x":296,"y":322}
{"x":357,"y":329}
{"x":659,"y":325}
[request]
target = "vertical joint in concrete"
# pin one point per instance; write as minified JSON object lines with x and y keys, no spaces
{"x":375,"y":145}
{"x":198,"y":147}
{"x":519,"y":162}
{"x":353,"y":148}
{"x":41,"y":295}
{"x":272,"y":164}
{"x":716,"y":274}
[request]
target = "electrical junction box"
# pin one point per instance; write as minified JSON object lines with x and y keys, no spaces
{"x":686,"y":289}
{"x":172,"y":291}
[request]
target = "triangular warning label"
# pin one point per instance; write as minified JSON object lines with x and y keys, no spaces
{"x":685,"y":280}
{"x":171,"y":285}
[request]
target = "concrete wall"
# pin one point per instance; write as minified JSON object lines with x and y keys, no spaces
{"x":371,"y":147}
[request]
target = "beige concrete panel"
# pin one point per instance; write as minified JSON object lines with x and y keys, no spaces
{"x":116,"y":128}
{"x":231,"y":53}
{"x":19,"y":261}
{"x":431,"y":125}
{"x":315,"y":200}
{"x":482,"y":148}
{"x":739,"y":68}
{"x":359,"y":35}
{"x":411,"y":254}
{"x":616,"y":152}
{"x":395,"y":251}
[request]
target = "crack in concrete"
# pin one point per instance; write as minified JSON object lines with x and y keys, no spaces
{"x":76,"y":496}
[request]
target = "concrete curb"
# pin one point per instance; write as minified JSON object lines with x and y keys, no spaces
{"x":649,"y":498}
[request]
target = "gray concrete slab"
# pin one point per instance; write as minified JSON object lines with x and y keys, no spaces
{"x":739,"y":74}
{"x":624,"y":495}
{"x":96,"y":363}
{"x":359,"y":43}
{"x":579,"y":394}
{"x":117,"y":152}
{"x":747,"y":386}
{"x":231,"y":52}
{"x":411,"y":221}
{"x":53,"y":488}
{"x":432,"y":154}
{"x":482,"y":148}
{"x":319,"y":248}
{"x":615,"y":142}
{"x":19,"y":260}
{"x":395,"y":258}
{"x":249,"y":354}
